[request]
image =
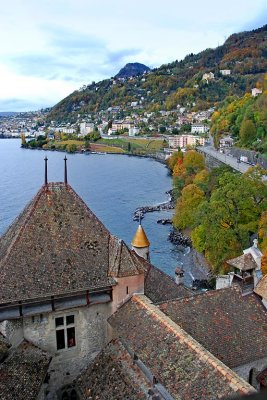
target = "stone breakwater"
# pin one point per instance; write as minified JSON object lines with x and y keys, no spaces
{"x":167,"y":205}
{"x":177,"y":238}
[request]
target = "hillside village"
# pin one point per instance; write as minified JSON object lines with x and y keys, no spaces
{"x":94,"y":319}
{"x":183,"y":98}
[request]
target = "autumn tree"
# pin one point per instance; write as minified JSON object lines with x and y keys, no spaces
{"x":231,"y":215}
{"x":186,"y":206}
{"x":193,"y":162}
{"x":172,"y":160}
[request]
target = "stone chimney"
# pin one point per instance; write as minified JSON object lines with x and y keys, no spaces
{"x":179,"y":276}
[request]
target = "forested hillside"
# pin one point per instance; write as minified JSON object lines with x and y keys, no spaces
{"x":220,"y":208}
{"x":245,"y":119}
{"x":180,"y":82}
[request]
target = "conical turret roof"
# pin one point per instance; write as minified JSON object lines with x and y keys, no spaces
{"x":140,"y":239}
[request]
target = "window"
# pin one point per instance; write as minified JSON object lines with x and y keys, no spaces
{"x":65,"y":332}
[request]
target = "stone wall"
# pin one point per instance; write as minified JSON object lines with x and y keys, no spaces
{"x":12,"y":330}
{"x":91,"y":336}
{"x":212,"y":162}
{"x":125,"y":288}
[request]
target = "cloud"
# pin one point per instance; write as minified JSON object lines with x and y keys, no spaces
{"x":259,"y":21}
{"x":19,"y":105}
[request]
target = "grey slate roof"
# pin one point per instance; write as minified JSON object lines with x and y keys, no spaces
{"x":112,"y":375}
{"x":23,"y":372}
{"x":186,"y":369}
{"x":245,"y":262}
{"x":58,"y":246}
{"x":161,"y":287}
{"x":231,"y":326}
{"x":4,"y":346}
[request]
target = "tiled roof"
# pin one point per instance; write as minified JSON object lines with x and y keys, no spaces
{"x":122,"y":260}
{"x":112,"y":375}
{"x":179,"y":363}
{"x":261,"y":288}
{"x":244,"y":262}
{"x":231,"y":326}
{"x":56,"y":246}
{"x":161,"y":287}
{"x":23,"y":372}
{"x":4,"y":346}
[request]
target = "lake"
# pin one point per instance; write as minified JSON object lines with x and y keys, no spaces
{"x":112,"y":186}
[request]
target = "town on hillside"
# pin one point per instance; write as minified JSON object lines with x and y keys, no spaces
{"x":83,"y":316}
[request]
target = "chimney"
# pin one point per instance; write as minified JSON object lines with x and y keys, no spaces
{"x":179,"y":276}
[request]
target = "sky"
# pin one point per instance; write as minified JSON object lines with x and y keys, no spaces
{"x":49,"y":48}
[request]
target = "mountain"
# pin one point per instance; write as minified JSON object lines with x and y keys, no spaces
{"x":8,"y":113}
{"x":199,"y":81}
{"x":132,"y":69}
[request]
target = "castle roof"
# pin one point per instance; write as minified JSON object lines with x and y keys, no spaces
{"x":4,"y":346}
{"x":229,"y":325}
{"x":161,"y":287}
{"x":261,"y":288}
{"x":140,"y":239}
{"x":58,"y":246}
{"x":245,"y":262}
{"x":23,"y":372}
{"x":178,"y":362}
{"x":113,"y":375}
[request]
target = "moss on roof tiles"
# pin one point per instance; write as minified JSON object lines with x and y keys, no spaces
{"x":113,"y":375}
{"x":56,"y":246}
{"x":23,"y":372}
{"x":178,"y":362}
{"x":231,"y":326}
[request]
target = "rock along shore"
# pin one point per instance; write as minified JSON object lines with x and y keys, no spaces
{"x":167,"y":205}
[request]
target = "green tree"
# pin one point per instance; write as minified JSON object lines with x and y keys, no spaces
{"x":247,"y":131}
{"x":186,"y":206}
{"x":172,"y":160}
{"x":230,"y":216}
{"x":194,"y":162}
{"x":71,"y":148}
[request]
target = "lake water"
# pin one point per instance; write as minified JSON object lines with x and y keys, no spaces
{"x":113,"y":186}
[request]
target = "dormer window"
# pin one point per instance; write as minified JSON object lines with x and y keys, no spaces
{"x":65,"y":332}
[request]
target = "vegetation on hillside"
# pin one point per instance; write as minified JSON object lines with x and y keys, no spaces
{"x":93,"y":142}
{"x":245,"y":119}
{"x":221,"y":208}
{"x":180,"y":82}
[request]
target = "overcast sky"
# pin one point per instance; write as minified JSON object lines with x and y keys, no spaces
{"x":49,"y":48}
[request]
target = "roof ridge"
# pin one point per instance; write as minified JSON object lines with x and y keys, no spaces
{"x":31,"y":207}
{"x":236,"y":383}
{"x":204,"y":294}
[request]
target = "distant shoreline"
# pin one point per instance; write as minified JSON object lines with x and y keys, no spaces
{"x":88,"y":152}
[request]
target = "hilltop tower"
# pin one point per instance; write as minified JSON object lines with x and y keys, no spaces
{"x":140,"y":242}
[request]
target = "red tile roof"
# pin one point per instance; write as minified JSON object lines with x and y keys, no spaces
{"x":161,"y":287}
{"x":57,"y":246}
{"x":23,"y":372}
{"x":231,"y":326}
{"x":180,"y":363}
{"x":113,"y":375}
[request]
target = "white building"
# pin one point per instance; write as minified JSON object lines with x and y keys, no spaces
{"x":208,"y":76}
{"x":133,"y":131}
{"x":225,"y":72}
{"x":199,"y":128}
{"x":255,"y":92}
{"x":86,"y":127}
